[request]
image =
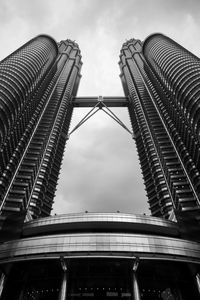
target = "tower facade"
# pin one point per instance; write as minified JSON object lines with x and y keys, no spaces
{"x":111,"y":256}
{"x":37,"y":83}
{"x":161,"y":80}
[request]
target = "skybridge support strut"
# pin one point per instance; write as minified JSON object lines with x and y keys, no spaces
{"x":101,"y":103}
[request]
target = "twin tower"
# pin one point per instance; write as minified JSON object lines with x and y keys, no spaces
{"x":100,"y":255}
{"x":38,"y":86}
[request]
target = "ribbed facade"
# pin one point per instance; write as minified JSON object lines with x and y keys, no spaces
{"x":161,"y":80}
{"x":110,"y":256}
{"x":37,"y":84}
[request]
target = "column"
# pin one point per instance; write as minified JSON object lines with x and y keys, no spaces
{"x":63,"y":289}
{"x":136,"y":291}
{"x":198,"y":282}
{"x":2,"y":283}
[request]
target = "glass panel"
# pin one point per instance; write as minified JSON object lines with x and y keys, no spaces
{"x":162,"y":280}
{"x":99,"y":279}
{"x":34,"y":281}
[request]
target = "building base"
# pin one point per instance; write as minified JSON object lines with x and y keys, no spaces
{"x":100,"y":256}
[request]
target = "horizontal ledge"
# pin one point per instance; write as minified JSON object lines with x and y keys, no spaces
{"x":100,"y":222}
{"x":136,"y":244}
{"x":139,"y":255}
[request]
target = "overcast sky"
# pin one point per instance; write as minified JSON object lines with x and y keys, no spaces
{"x":100,"y":169}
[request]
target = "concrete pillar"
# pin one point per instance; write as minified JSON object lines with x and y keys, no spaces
{"x":136,"y":291}
{"x":63,"y":289}
{"x":198,"y":282}
{"x":21,"y":295}
{"x":2,"y":283}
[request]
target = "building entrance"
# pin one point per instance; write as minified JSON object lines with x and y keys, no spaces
{"x":100,"y":279}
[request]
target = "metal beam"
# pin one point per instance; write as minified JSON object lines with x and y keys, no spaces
{"x":109,"y":101}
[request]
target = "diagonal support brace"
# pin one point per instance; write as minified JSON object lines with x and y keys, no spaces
{"x":100,"y":105}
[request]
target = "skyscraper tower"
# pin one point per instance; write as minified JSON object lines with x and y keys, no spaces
{"x":37,"y":83}
{"x":161,"y":80}
{"x":110,"y":256}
